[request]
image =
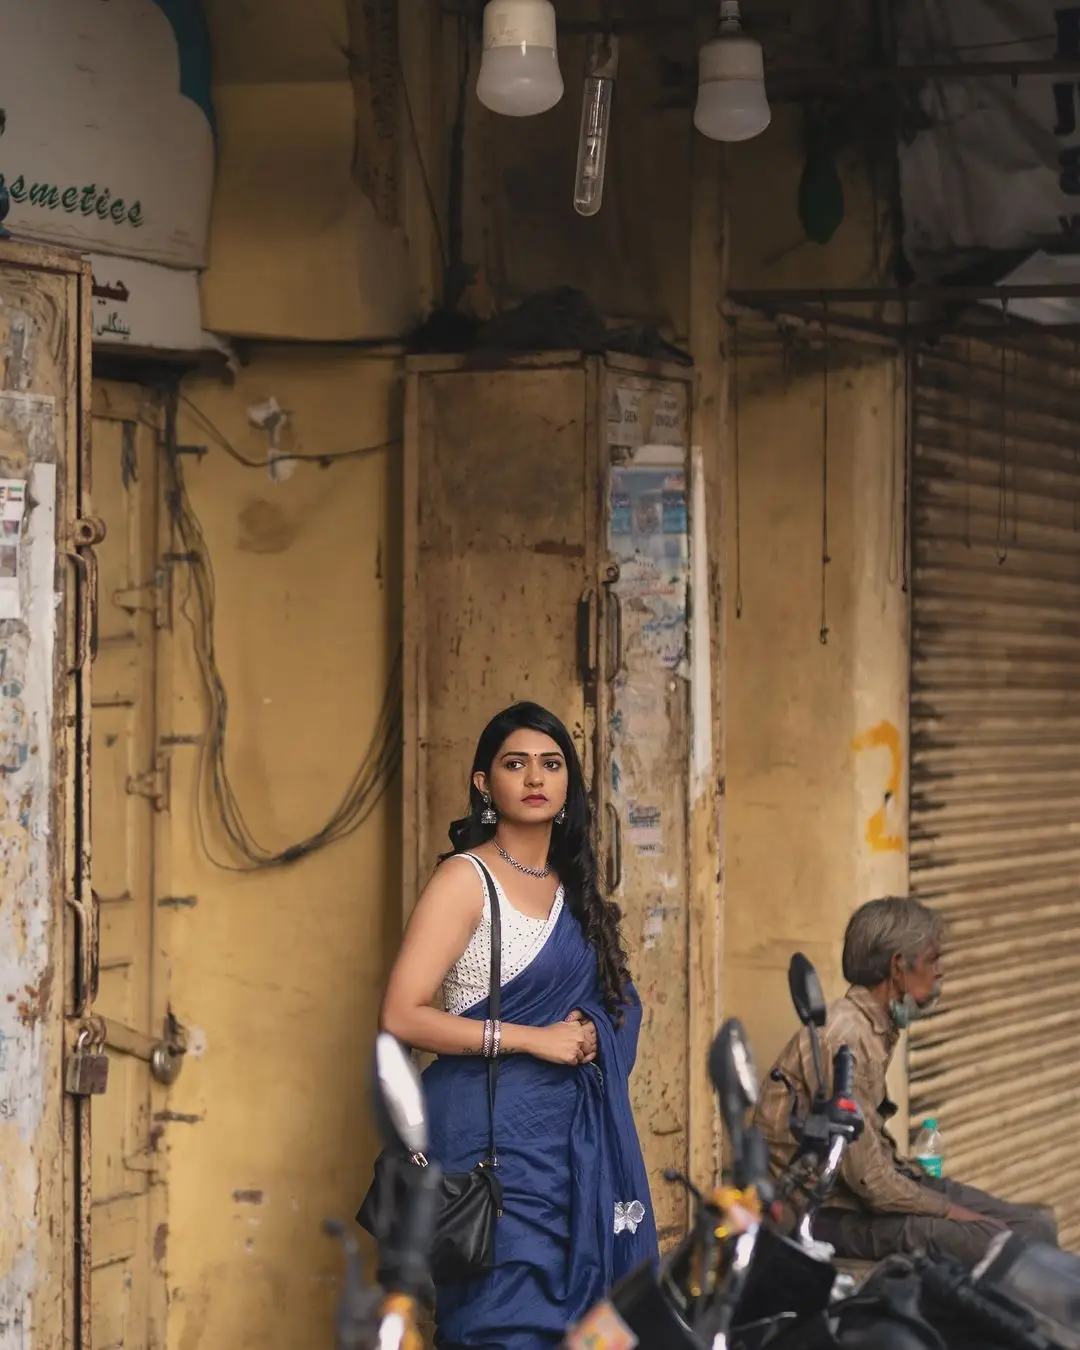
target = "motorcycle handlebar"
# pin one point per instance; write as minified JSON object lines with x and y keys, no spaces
{"x":843,"y":1073}
{"x":951,"y":1287}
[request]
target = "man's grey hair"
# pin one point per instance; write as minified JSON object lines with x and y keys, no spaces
{"x":880,"y":929}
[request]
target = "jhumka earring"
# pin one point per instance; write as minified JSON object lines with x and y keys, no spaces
{"x":487,"y":815}
{"x":560,"y":819}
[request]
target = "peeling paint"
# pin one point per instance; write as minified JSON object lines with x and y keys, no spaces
{"x":648,"y":741}
{"x":28,"y":918}
{"x":196,"y":1042}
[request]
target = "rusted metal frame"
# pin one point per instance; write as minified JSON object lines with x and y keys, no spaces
{"x":606,"y":822}
{"x":922,"y":73}
{"x":919,"y":293}
{"x":1033,"y":343}
{"x":1058,"y":344}
{"x":709,"y":333}
{"x":491,"y":360}
{"x":551,"y":360}
{"x":20,"y":252}
{"x":88,"y":948}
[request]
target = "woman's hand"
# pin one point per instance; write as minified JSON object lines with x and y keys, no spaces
{"x":564,"y":1043}
{"x":590,"y":1034}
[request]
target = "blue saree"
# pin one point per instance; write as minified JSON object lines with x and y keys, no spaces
{"x":577,"y":1212}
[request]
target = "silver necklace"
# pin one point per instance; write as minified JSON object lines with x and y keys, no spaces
{"x":539,"y":872}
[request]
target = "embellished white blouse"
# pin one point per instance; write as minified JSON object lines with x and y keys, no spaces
{"x":523,"y":938}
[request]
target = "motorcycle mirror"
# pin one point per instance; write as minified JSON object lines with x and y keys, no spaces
{"x":399,"y":1097}
{"x":806,"y":993}
{"x":731,"y":1068}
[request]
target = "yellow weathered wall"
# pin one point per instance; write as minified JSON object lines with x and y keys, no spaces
{"x":297,"y":250}
{"x":800,"y":796}
{"x":801,"y":799}
{"x":278,"y":974}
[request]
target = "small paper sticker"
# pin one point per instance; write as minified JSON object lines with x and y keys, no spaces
{"x":601,"y":1329}
{"x":645,"y":827}
{"x":654,"y":927}
{"x":12,"y":506}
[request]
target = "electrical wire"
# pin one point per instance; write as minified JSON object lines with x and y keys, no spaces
{"x":329,"y":457}
{"x":425,"y":177}
{"x":823,"y":633}
{"x":737,"y":420}
{"x":378,"y":766}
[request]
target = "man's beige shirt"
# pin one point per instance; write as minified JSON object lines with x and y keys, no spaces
{"x":874,"y":1176}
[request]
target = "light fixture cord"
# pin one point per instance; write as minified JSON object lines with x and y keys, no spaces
{"x":823,"y":635}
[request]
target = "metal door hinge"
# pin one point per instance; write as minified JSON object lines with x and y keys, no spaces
{"x":152,"y":597}
{"x":155,"y":784}
{"x":86,"y":533}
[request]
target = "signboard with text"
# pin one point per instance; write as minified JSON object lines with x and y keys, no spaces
{"x":106,"y":126}
{"x":146,"y":306}
{"x":995,"y":164}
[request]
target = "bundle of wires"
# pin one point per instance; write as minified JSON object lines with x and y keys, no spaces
{"x":380,"y":760}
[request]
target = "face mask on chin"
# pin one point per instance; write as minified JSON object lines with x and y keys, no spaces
{"x":906,"y":1010}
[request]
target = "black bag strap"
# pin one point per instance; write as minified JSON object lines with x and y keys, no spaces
{"x":494,"y":997}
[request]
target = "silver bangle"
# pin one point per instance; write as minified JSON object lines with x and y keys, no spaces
{"x":488,"y":1036}
{"x":497,"y":1038}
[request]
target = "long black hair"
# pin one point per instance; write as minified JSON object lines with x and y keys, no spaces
{"x":571,"y":852}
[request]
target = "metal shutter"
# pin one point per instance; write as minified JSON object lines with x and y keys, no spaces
{"x":995,"y":762}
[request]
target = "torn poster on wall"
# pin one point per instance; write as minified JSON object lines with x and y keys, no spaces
{"x":994,"y":163}
{"x":642,"y":413}
{"x":645,"y":827}
{"x":12,"y":508}
{"x":647,"y":534}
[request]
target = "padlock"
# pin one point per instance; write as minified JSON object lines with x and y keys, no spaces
{"x":87,"y":1068}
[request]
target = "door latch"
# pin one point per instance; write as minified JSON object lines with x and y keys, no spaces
{"x":154,"y":784}
{"x":164,"y":1055}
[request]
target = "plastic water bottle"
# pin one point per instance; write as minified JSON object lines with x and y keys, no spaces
{"x":930,"y":1149}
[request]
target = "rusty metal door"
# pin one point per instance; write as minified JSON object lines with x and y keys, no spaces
{"x":521,"y":581}
{"x":995,"y":775}
{"x":503,"y":494}
{"x":128,"y":1212}
{"x":46,"y":922}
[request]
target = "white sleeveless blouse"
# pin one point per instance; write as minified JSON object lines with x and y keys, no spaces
{"x":468,"y":980}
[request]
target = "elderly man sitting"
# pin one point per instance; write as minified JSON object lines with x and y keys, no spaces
{"x":883,"y":1204}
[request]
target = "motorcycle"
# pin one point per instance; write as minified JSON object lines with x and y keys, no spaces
{"x":387,"y":1315}
{"x":737,"y":1282}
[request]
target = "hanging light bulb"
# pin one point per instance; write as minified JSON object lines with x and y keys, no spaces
{"x":601,"y":67}
{"x":731,"y":101}
{"x":519,"y":69}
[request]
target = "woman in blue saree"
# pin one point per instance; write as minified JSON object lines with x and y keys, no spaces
{"x":577,"y":1214}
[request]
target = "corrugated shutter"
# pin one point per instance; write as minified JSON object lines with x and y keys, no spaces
{"x":995,"y":774}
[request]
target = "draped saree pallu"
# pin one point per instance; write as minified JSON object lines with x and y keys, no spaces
{"x":577,"y":1212}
